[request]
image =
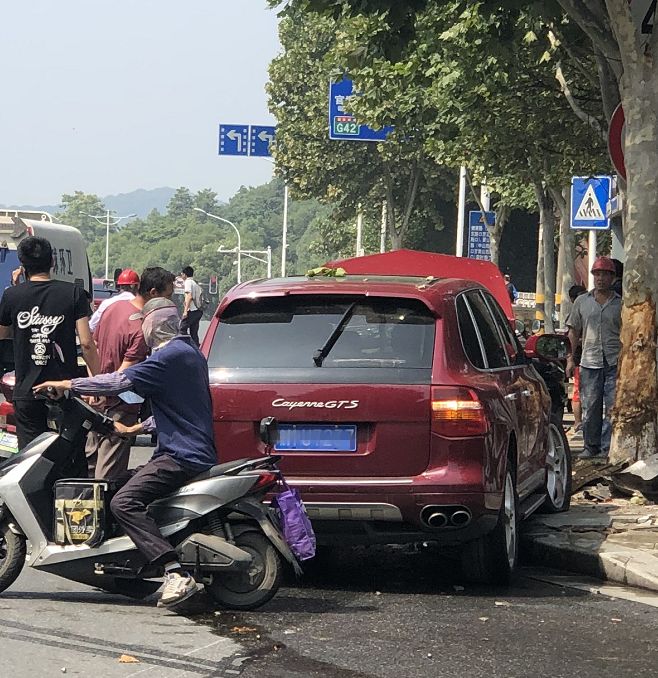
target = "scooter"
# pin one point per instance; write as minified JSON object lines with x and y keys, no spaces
{"x":223,"y":533}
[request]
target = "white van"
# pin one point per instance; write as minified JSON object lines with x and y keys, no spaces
{"x":70,"y":262}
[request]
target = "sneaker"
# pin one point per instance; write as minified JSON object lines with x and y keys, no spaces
{"x":178,"y":587}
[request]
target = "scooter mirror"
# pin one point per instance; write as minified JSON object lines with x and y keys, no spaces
{"x":267,"y":431}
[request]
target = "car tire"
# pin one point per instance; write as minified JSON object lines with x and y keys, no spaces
{"x":493,"y":558}
{"x":557,"y":484}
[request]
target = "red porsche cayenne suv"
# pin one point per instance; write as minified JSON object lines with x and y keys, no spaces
{"x":405,"y":408}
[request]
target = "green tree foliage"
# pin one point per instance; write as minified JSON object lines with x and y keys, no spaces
{"x":77,"y":208}
{"x":349,"y":174}
{"x":184,"y":237}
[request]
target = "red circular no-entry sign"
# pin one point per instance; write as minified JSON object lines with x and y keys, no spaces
{"x":616,"y":141}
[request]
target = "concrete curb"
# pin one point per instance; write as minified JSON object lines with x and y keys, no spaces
{"x":582,"y":543}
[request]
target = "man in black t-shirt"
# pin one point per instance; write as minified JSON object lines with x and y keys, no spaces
{"x":45,"y":315}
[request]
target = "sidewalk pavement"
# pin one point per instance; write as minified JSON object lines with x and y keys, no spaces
{"x":615,"y":539}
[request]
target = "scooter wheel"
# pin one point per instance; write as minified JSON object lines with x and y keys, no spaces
{"x":255,"y":587}
{"x":12,"y":556}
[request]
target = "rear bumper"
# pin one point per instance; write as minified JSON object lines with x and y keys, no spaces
{"x":389,"y":510}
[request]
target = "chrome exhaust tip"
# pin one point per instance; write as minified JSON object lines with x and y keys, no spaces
{"x":437,"y":519}
{"x":460,"y":518}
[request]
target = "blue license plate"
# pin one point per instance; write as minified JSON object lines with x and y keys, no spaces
{"x":316,"y":438}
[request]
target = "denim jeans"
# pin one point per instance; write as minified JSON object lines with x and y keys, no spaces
{"x":597,"y":396}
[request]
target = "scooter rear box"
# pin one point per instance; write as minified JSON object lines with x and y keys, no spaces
{"x":81,"y":516}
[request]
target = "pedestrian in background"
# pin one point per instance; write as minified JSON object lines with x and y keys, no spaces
{"x":619,"y":275}
{"x":511,"y":290}
{"x":121,"y":345}
{"x":45,"y":316}
{"x":595,"y":321}
{"x":574,"y":292}
{"x":127,"y":282}
{"x":192,"y":312}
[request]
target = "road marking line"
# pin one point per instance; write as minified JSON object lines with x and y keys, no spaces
{"x":595,"y":586}
{"x":185,"y":654}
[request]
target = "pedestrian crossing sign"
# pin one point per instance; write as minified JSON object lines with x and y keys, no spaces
{"x":589,"y":201}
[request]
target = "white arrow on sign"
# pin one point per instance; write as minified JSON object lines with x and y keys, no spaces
{"x":264,"y":136}
{"x":233,"y":135}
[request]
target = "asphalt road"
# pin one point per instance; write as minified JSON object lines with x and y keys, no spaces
{"x":395,"y":613}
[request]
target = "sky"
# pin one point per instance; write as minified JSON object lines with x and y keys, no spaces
{"x":107,"y":96}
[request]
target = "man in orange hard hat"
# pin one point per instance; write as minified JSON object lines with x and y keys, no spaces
{"x":595,"y":321}
{"x":127,"y":283}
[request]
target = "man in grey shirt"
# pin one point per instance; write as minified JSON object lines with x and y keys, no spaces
{"x":595,"y":320}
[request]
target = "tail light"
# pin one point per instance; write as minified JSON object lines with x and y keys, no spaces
{"x":457,"y":413}
{"x":6,"y":409}
{"x":265,"y":480}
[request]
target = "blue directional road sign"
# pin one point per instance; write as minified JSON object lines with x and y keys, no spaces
{"x":234,"y":140}
{"x":479,"y":243}
{"x":261,"y":136}
{"x":343,"y":125}
{"x":589,"y":202}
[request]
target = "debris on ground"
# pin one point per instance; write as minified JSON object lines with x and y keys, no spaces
{"x":599,"y":492}
{"x":128,"y":659}
{"x":244,"y":629}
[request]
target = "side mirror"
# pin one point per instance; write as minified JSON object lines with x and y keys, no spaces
{"x":268,"y":430}
{"x":550,"y":347}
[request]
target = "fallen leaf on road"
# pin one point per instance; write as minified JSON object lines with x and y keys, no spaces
{"x":483,"y":619}
{"x":502,"y":603}
{"x":615,"y":620}
{"x":288,"y":632}
{"x":128,"y":659}
{"x":243,"y":629}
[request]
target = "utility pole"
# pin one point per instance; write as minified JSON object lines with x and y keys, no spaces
{"x":382,"y":232}
{"x":108,"y":220}
{"x":284,"y":238}
{"x":359,"y":232}
{"x":461,"y":212}
{"x":235,"y":228}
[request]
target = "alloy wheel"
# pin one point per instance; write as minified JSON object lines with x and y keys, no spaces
{"x":510,"y":521}
{"x":556,"y":468}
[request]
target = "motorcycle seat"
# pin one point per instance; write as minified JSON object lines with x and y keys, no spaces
{"x":222,"y":469}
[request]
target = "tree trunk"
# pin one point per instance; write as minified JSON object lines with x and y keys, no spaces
{"x":539,"y":284}
{"x":546,"y":262}
{"x":635,"y":434}
{"x":496,"y":231}
{"x":566,"y":254}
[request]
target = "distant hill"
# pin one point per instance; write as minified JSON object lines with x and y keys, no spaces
{"x":139,"y":202}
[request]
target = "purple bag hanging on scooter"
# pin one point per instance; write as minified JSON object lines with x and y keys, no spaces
{"x":295,"y":523}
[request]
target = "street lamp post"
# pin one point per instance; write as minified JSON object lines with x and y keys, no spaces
{"x":235,"y":228}
{"x":251,"y":254}
{"x":108,"y":220}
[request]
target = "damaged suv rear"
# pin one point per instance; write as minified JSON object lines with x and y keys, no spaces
{"x":405,"y":408}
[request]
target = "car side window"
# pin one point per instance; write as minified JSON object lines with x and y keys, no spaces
{"x":503,"y":324}
{"x":470,"y":339}
{"x":493,"y":345}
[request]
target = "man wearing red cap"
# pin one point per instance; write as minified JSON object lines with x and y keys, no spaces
{"x":127,"y":283}
{"x":595,"y":321}
{"x":121,"y":345}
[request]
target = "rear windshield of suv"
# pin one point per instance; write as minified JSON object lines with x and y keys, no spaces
{"x":324,"y":339}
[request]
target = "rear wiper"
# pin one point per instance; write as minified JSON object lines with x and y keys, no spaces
{"x":322,"y":353}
